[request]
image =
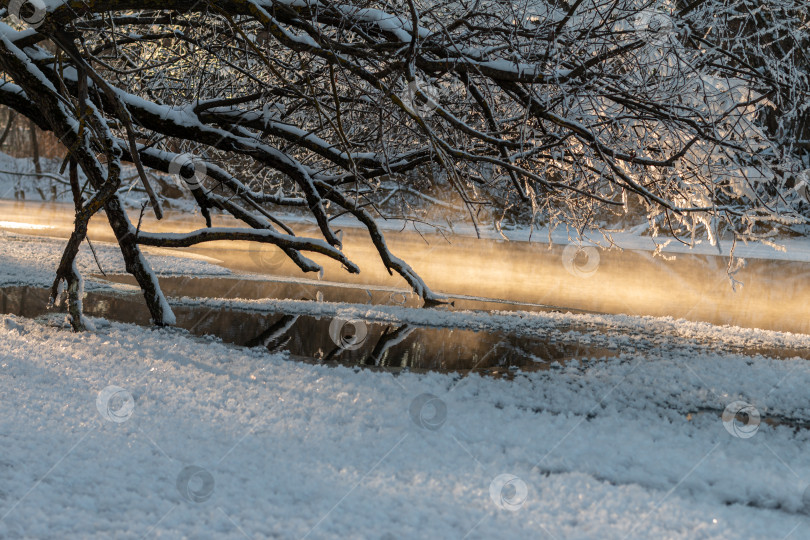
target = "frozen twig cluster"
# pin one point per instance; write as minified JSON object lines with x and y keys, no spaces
{"x":564,"y":109}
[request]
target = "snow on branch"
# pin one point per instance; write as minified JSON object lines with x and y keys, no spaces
{"x":692,"y":115}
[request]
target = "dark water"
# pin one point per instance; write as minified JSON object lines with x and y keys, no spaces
{"x":327,"y":340}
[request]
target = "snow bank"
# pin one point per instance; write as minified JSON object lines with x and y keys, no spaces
{"x":205,"y":440}
{"x":32,"y":260}
{"x":629,"y":331}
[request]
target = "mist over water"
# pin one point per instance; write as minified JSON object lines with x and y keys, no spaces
{"x":493,"y":274}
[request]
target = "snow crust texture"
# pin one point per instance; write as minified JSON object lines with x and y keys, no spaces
{"x":128,"y":432}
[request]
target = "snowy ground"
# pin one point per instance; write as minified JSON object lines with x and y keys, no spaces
{"x":204,"y":440}
{"x":32,"y":260}
{"x":603,"y":449}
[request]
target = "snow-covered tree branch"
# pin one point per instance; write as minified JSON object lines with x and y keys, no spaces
{"x":566,"y":110}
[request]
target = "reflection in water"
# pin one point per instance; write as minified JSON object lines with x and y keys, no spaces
{"x":276,"y":336}
{"x":308,"y":338}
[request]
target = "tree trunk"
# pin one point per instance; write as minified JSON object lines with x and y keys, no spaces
{"x":137,"y":265}
{"x":11,"y":117}
{"x":32,"y":130}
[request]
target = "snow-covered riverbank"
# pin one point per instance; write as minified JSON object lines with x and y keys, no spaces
{"x":604,"y":449}
{"x":204,"y":440}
